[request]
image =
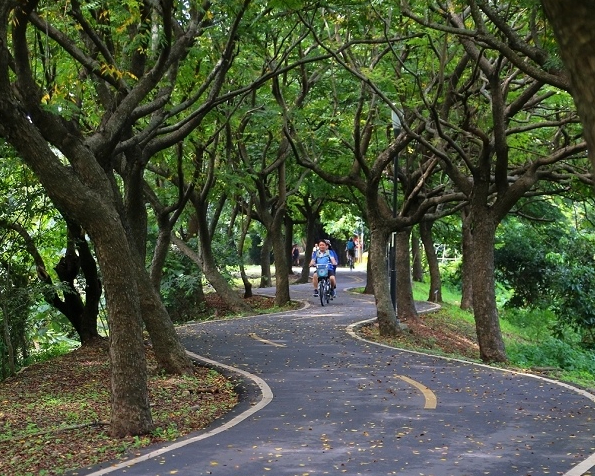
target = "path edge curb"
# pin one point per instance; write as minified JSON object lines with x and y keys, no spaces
{"x":254,"y":394}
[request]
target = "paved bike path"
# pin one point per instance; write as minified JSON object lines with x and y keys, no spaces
{"x":334,"y":404}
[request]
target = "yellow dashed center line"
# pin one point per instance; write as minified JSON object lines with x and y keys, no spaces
{"x":265,"y":341}
{"x":426,"y":392}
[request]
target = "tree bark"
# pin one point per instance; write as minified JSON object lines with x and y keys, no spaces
{"x":82,"y":316}
{"x":369,"y":289}
{"x":406,"y":310}
{"x":282,"y":255}
{"x":169,"y":352}
{"x":574,"y":29}
{"x":487,"y":323}
{"x":93,"y":287}
{"x":131,"y":413}
{"x":208,"y":263}
{"x":289,"y":242}
{"x":387,"y":320}
{"x":240,"y":248}
{"x":7,"y":341}
{"x":467,"y":264}
{"x":282,"y":268}
{"x":416,"y":265}
{"x":161,"y":250}
{"x":425,"y":232}
{"x":266,"y":278}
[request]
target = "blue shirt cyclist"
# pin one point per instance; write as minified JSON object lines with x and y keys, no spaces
{"x":324,"y":255}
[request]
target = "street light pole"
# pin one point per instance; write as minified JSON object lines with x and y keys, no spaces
{"x":396,"y":121}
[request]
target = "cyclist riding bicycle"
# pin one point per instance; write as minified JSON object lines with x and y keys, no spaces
{"x":350,"y":248}
{"x":324,"y":255}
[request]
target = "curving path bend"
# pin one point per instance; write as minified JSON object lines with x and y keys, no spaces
{"x":320,"y":401}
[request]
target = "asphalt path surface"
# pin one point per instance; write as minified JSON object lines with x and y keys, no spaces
{"x":317,"y":400}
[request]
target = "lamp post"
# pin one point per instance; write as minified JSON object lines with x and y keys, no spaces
{"x":392,"y":255}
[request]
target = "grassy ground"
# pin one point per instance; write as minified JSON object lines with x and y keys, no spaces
{"x":54,"y":415}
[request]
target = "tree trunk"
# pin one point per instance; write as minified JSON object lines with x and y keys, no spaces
{"x":425,"y":232}
{"x":240,"y":247}
{"x":161,"y":250}
{"x":575,"y":31}
{"x":289,"y":242}
{"x":222,"y":287}
{"x":387,"y":320}
{"x":282,"y":268}
{"x":208,"y":263}
{"x":131,"y":413}
{"x":169,"y":352}
{"x":467,"y":264}
{"x":405,"y":304}
{"x":487,"y":324}
{"x":266,"y":279}
{"x":416,"y":266}
{"x":93,"y":289}
{"x":369,"y":289}
{"x":7,"y":341}
{"x":311,"y":220}
{"x":82,"y":316}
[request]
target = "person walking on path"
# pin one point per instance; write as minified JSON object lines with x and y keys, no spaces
{"x":295,"y":255}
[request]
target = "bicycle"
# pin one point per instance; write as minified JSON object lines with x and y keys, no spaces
{"x":324,"y":284}
{"x":350,"y":261}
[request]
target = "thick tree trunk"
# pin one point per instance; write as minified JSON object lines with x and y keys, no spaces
{"x":405,"y":304}
{"x":282,"y":259}
{"x":467,"y":264}
{"x":169,"y":352}
{"x":266,"y":279}
{"x":131,"y":414}
{"x":416,"y":266}
{"x":130,"y":411}
{"x":575,"y":31}
{"x":425,"y":231}
{"x":487,"y":324}
{"x":387,"y":320}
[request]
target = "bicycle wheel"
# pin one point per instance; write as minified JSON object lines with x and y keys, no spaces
{"x":351,"y":264}
{"x":327,"y":291}
{"x":321,"y":290}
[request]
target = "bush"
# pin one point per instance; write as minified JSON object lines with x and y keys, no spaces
{"x":552,"y":353}
{"x":534,"y":324}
